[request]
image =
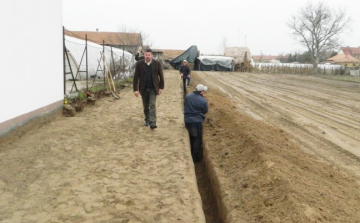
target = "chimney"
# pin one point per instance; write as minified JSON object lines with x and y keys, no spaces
{"x":97,"y":29}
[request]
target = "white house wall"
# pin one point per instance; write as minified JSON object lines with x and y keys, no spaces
{"x":31,"y":63}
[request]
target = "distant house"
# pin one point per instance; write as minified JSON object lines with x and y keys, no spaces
{"x":275,"y":61}
{"x":168,"y":55}
{"x":263,"y":58}
{"x":171,"y":54}
{"x":345,"y":60}
{"x":352,"y":51}
{"x":158,"y":54}
{"x":126,"y":41}
{"x":269,"y":58}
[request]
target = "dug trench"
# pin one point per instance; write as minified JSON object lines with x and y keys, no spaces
{"x":253,"y":172}
{"x":209,"y":204}
{"x":206,"y":188}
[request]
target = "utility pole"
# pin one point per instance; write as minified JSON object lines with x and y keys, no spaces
{"x":238,"y":36}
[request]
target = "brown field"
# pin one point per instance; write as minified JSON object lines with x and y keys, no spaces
{"x":284,"y":148}
{"x":279,"y":148}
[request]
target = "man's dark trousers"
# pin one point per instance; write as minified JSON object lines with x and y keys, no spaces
{"x":184,"y":82}
{"x":149,"y":104}
{"x":195,"y":134}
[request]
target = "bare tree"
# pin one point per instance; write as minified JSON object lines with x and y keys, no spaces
{"x":130,"y":40}
{"x":318,"y":28}
{"x":133,"y":38}
{"x":223,"y":45}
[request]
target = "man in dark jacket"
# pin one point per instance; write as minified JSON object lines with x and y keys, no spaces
{"x":185,"y":74}
{"x":195,"y":108}
{"x":148,"y":82}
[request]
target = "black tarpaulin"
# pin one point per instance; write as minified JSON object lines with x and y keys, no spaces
{"x":190,"y":55}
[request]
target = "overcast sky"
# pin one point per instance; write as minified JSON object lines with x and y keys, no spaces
{"x":257,"y":24}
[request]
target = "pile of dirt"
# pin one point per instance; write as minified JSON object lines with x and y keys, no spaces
{"x":263,"y":177}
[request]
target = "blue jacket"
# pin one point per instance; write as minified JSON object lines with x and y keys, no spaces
{"x":195,"y":107}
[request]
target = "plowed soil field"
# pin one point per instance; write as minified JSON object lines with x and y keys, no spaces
{"x":283,"y":148}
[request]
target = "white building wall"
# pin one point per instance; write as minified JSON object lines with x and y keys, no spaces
{"x":31,"y":76}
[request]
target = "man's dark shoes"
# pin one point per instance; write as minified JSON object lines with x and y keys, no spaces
{"x":146,"y":123}
{"x":153,"y":126}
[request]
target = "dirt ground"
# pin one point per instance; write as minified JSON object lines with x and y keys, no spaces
{"x":284,"y":148}
{"x":103,"y":165}
{"x":279,"y":148}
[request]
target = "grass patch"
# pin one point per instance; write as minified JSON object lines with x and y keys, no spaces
{"x":80,"y":96}
{"x":97,"y":88}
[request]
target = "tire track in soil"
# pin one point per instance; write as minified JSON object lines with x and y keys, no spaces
{"x":301,"y":100}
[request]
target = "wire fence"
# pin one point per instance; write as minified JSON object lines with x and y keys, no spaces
{"x":284,"y":68}
{"x":85,"y":64}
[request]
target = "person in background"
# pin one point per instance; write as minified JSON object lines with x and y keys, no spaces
{"x":185,"y":74}
{"x":139,"y":54}
{"x":148,"y":81}
{"x":195,"y":108}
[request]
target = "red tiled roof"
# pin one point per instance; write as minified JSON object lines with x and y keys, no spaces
{"x":171,"y":54}
{"x":110,"y":38}
{"x":343,"y":58}
{"x":257,"y":58}
{"x":263,"y":57}
{"x":351,"y":50}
